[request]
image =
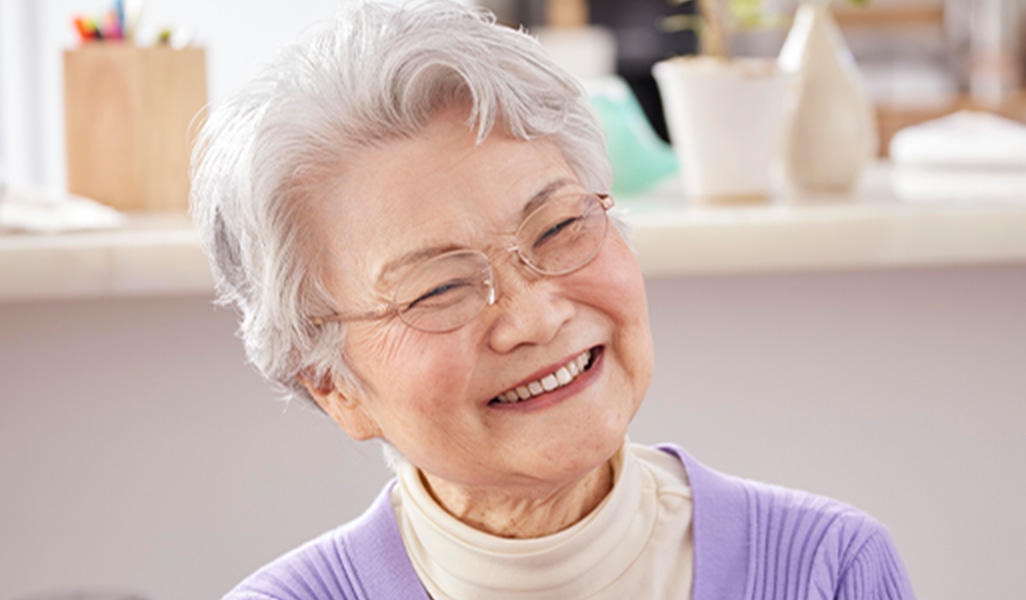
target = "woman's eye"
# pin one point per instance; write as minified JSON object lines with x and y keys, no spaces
{"x":440,"y":295}
{"x":556,"y":230}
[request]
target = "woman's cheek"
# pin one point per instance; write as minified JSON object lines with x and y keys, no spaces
{"x":413,"y":364}
{"x":628,"y":308}
{"x":375,"y":350}
{"x":615,"y":281}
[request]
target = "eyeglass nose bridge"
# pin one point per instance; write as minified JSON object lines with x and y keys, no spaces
{"x":490,"y":282}
{"x":492,"y":259}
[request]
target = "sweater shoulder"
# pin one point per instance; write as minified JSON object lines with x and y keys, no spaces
{"x":817,"y":547}
{"x":757,"y":540}
{"x":361,"y":559}
{"x":317,"y":569}
{"x":776,"y":510}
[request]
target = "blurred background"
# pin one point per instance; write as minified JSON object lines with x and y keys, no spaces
{"x":917,"y":57}
{"x":867,"y":347}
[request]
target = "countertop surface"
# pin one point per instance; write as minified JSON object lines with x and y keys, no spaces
{"x":892,"y":219}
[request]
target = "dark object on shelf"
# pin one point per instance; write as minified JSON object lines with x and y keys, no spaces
{"x":641,"y":41}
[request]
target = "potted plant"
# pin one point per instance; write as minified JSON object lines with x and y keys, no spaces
{"x":728,"y":117}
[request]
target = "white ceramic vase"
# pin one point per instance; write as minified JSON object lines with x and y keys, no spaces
{"x":727,"y":120}
{"x":833,"y":133}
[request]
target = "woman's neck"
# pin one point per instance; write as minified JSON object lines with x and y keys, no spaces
{"x":517,"y":513}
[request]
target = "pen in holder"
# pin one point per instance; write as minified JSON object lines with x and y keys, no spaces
{"x":128,"y":120}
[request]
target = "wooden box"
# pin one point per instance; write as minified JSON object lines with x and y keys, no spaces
{"x":129,"y":121}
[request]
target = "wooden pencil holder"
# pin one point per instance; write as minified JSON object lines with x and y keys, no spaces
{"x":129,"y":115}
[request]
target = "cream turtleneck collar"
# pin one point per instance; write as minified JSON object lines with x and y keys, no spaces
{"x":636,"y":543}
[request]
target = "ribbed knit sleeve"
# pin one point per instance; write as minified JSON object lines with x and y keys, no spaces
{"x":876,"y":573}
{"x":808,"y":546}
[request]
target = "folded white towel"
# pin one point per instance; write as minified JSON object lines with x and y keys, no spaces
{"x":963,"y":139}
{"x":959,"y":186}
{"x":26,"y":208}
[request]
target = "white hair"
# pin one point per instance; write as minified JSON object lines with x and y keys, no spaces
{"x":379,"y":72}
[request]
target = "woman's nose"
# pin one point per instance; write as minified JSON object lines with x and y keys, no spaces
{"x":529,"y":308}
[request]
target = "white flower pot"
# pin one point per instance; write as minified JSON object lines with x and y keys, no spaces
{"x":727,"y":120}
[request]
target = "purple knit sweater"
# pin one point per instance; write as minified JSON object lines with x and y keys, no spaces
{"x":751,"y":540}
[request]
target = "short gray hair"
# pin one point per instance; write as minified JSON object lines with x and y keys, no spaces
{"x":377,"y":73}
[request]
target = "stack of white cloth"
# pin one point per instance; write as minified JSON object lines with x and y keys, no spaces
{"x":968,"y":156}
{"x":963,"y":139}
{"x":31,"y":209}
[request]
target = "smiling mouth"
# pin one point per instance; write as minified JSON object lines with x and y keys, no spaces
{"x":564,"y":375}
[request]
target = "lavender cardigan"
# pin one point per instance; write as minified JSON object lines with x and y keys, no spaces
{"x":752,"y":541}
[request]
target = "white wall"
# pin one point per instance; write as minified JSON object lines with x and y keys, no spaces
{"x":23,"y":122}
{"x":139,"y":452}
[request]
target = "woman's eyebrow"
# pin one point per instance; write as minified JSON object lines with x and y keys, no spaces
{"x":388,"y":271}
{"x":544,"y":194}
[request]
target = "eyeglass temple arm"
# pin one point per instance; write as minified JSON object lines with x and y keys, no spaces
{"x":341,"y":318}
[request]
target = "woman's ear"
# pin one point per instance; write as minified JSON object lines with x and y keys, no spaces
{"x":347,"y":408}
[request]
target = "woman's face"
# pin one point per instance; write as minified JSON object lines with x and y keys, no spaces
{"x":433,"y":395}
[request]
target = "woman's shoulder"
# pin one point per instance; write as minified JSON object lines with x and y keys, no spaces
{"x":770,"y":533}
{"x":321,"y":563}
{"x":768,"y":505}
{"x":848,"y":553}
{"x":363,"y":558}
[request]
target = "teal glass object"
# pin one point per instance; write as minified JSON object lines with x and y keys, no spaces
{"x":640,"y":158}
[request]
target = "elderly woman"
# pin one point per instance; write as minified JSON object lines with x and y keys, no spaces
{"x":409,"y":211}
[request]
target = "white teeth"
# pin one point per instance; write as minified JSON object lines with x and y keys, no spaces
{"x":549,"y":382}
{"x":562,"y":376}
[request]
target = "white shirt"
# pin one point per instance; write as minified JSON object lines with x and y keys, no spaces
{"x":636,"y":544}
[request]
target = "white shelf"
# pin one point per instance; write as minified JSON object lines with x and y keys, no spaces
{"x":154,"y":255}
{"x":888,"y":222}
{"x":891,"y":220}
